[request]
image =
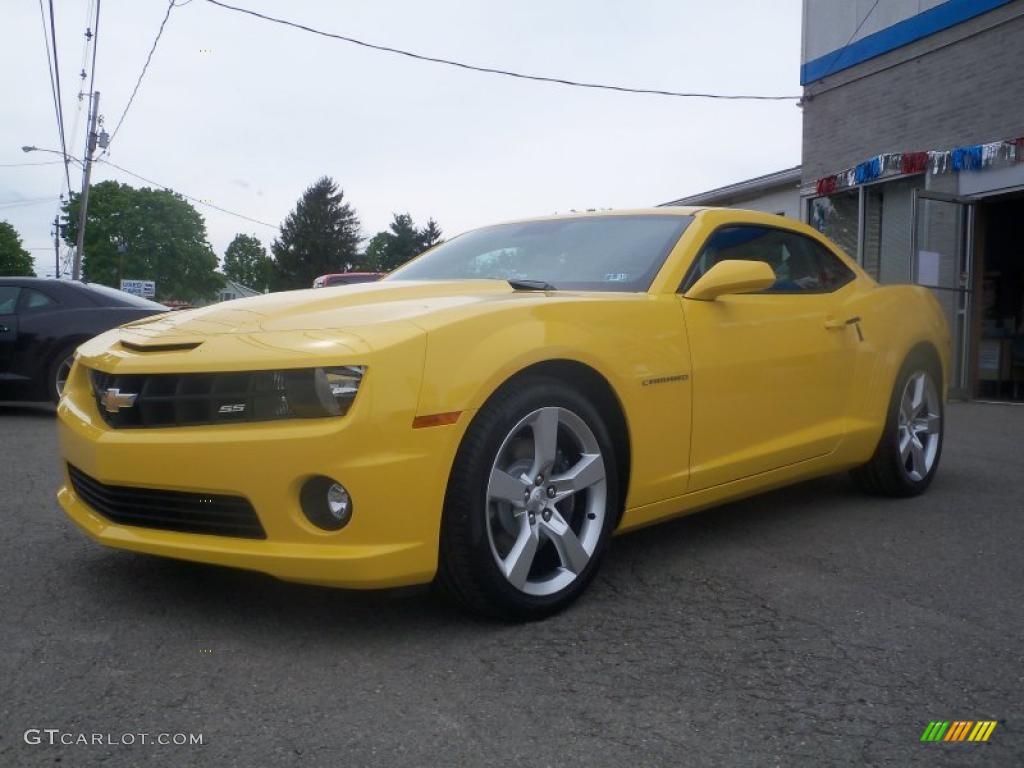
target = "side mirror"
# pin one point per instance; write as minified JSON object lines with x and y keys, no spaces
{"x":732,"y":276}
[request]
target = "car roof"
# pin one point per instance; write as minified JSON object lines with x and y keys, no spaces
{"x":29,"y":281}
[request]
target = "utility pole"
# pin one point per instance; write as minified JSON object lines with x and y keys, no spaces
{"x":56,"y":245}
{"x":90,"y":145}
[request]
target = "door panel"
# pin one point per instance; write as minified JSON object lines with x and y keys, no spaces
{"x":771,"y":381}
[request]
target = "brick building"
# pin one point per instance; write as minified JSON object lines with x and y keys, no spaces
{"x":913,"y":161}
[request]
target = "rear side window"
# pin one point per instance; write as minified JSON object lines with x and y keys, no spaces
{"x":8,"y":298}
{"x":32,"y":300}
{"x":801,"y":264}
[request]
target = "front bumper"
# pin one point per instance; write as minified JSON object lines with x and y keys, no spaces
{"x":395,"y":474}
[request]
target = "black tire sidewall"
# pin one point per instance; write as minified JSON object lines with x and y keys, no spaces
{"x":471,"y":472}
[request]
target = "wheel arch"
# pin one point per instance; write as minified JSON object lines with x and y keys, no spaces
{"x":928,"y":354}
{"x":600,"y":391}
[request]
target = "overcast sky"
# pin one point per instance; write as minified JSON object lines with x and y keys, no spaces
{"x":254,"y":121}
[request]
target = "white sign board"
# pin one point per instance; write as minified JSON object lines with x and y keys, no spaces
{"x":144,"y":288}
{"x":928,"y":268}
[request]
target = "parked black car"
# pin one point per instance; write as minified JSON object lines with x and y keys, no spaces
{"x":43,"y":321}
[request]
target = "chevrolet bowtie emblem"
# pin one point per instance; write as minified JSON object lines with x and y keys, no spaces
{"x":114,"y":400}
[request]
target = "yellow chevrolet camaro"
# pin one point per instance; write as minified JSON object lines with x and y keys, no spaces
{"x":488,"y":415}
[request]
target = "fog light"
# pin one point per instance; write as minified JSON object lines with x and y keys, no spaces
{"x":326,"y":503}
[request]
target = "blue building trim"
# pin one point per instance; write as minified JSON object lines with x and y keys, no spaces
{"x":929,"y":22}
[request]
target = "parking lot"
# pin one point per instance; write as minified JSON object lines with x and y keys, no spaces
{"x":810,"y":626}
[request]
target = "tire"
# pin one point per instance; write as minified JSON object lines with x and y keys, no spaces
{"x":909,"y":450}
{"x":57,"y":372}
{"x":522,"y":537}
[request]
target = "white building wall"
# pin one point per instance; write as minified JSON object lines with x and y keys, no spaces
{"x":784,"y":201}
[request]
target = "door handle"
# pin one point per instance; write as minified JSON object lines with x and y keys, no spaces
{"x":838,"y":325}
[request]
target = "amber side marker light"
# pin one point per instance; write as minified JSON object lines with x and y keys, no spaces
{"x":436,"y":419}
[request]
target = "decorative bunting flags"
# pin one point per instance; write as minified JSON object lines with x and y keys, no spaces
{"x":969,"y":158}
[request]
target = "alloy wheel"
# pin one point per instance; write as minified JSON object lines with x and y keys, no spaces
{"x":920,"y":426}
{"x":546,"y":501}
{"x":63,"y":371}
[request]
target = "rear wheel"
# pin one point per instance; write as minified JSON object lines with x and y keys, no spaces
{"x":531,"y":503}
{"x":908,"y":452}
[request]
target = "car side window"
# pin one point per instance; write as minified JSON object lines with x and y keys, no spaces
{"x":32,"y":300}
{"x":8,"y":298}
{"x":801,"y":264}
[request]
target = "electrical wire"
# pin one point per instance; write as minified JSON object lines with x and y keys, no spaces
{"x":90,"y":7}
{"x":92,"y":82}
{"x":30,"y":201}
{"x":842,"y":50}
{"x":60,"y":98}
{"x":504,"y":72}
{"x":187,"y":197}
{"x":25,"y":165}
{"x":170,"y":6}
{"x":54,"y":90}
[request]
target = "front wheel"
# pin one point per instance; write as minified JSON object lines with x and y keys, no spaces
{"x":908,"y":452}
{"x":531,"y":503}
{"x":57,"y":375}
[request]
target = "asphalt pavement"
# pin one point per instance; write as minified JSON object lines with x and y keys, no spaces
{"x":811,"y":626}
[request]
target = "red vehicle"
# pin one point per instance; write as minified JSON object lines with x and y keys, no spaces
{"x":347,"y":278}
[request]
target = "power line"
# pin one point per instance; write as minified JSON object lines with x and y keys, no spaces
{"x":504,"y":72}
{"x":187,"y":197}
{"x":54,"y":88}
{"x":24,"y":165}
{"x":90,"y":7}
{"x":95,"y":45}
{"x":60,"y":98}
{"x":30,"y":201}
{"x":842,"y":50}
{"x":170,"y":7}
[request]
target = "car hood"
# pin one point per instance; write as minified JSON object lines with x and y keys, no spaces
{"x":345,"y":308}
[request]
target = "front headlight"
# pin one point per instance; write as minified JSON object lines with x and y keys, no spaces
{"x":322,"y":391}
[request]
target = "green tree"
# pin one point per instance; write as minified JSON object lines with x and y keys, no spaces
{"x":15,"y":261}
{"x":246,"y":262}
{"x":320,"y":236}
{"x":145,"y":234}
{"x":402,"y":241}
{"x":430,"y":235}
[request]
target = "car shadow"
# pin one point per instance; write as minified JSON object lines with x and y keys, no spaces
{"x":41,"y":410}
{"x":247,"y":602}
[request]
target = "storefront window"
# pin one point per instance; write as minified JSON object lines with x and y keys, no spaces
{"x":835,"y":217}
{"x":888,"y":212}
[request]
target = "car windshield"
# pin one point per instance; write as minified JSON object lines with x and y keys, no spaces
{"x":111,"y":296}
{"x":589,"y":253}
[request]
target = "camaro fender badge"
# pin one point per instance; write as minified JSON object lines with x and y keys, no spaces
{"x":666,"y":379}
{"x":232,"y":408}
{"x":114,"y":400}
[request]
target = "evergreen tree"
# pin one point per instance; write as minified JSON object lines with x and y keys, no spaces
{"x":145,"y":234}
{"x":319,"y":237}
{"x":15,"y":261}
{"x":246,"y":262}
{"x":431,"y":235}
{"x":402,"y":241}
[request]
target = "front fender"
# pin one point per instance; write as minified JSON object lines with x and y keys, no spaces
{"x":630,"y":341}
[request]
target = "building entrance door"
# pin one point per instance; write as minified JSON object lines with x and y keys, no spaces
{"x":941,"y":256}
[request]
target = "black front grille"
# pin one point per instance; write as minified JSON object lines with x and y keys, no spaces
{"x":190,"y":399}
{"x":169,"y":510}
